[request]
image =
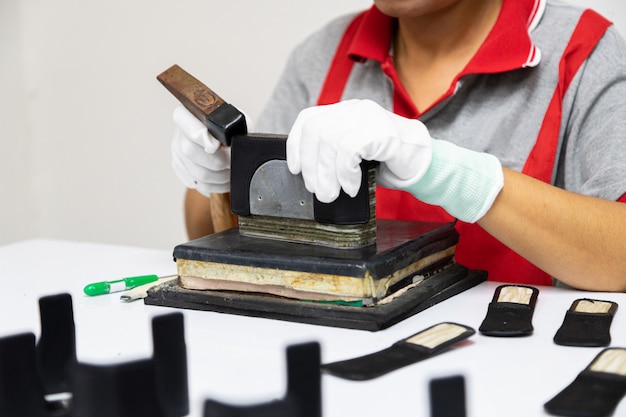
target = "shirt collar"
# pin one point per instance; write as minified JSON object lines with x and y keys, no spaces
{"x":507,"y":47}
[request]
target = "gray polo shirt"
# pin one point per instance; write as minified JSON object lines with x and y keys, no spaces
{"x":498,"y":113}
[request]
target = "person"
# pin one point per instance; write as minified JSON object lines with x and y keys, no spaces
{"x":506,"y":116}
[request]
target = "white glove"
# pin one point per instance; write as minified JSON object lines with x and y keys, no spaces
{"x":197,"y":157}
{"x":327,"y":143}
{"x":464,"y":182}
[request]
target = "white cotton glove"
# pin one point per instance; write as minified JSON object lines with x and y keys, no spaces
{"x":327,"y":143}
{"x":197,"y":157}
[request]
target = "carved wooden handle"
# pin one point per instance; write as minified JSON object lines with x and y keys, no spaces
{"x":221,"y":119}
{"x":199,"y":99}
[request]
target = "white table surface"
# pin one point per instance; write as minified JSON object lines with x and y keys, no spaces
{"x":242,"y":360}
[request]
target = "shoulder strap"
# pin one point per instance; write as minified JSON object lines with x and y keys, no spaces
{"x":340,"y":66}
{"x":588,"y":32}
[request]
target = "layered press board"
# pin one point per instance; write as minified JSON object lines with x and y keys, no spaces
{"x":409,"y":269}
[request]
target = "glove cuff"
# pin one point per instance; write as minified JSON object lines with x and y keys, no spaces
{"x":465,"y":183}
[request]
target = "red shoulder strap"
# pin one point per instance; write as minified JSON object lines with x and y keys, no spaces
{"x":340,"y":67}
{"x":590,"y":29}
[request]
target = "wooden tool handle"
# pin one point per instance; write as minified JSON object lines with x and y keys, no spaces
{"x":221,"y":215}
{"x":221,"y":119}
{"x":199,"y":99}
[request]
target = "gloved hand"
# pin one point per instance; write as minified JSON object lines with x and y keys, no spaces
{"x":197,"y":157}
{"x":327,"y":143}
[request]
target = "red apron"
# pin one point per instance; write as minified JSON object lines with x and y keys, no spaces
{"x":476,"y":248}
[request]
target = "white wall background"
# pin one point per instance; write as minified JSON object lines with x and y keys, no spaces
{"x":84,"y":125}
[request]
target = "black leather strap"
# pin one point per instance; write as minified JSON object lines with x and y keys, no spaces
{"x":590,"y":394}
{"x":447,"y":396}
{"x":505,"y":319}
{"x":586,"y":329}
{"x":398,"y":355}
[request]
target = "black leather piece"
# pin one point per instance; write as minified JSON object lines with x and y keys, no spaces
{"x":447,"y":396}
{"x":56,"y":347}
{"x":28,"y":371}
{"x":121,"y":390}
{"x":506,"y":319}
{"x":304,"y":378}
{"x":346,"y":210}
{"x":249,"y":152}
{"x":155,"y":387}
{"x":397,"y":356}
{"x":377,"y":364}
{"x":22,"y":391}
{"x":304,"y":390}
{"x":170,"y":363}
{"x":285,"y":407}
{"x":585,"y":329}
{"x":591,"y":394}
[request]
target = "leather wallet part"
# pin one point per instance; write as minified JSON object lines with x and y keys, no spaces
{"x":597,"y":390}
{"x":418,"y":347}
{"x":510,"y":312}
{"x":447,"y":396}
{"x":587,"y":324}
{"x":251,"y":152}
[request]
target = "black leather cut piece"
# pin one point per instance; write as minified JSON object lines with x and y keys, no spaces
{"x":591,"y":394}
{"x":447,"y":397}
{"x":586,"y":329}
{"x":304,"y":390}
{"x":397,"y":356}
{"x":508,"y":319}
{"x":56,"y":347}
{"x":249,"y":152}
